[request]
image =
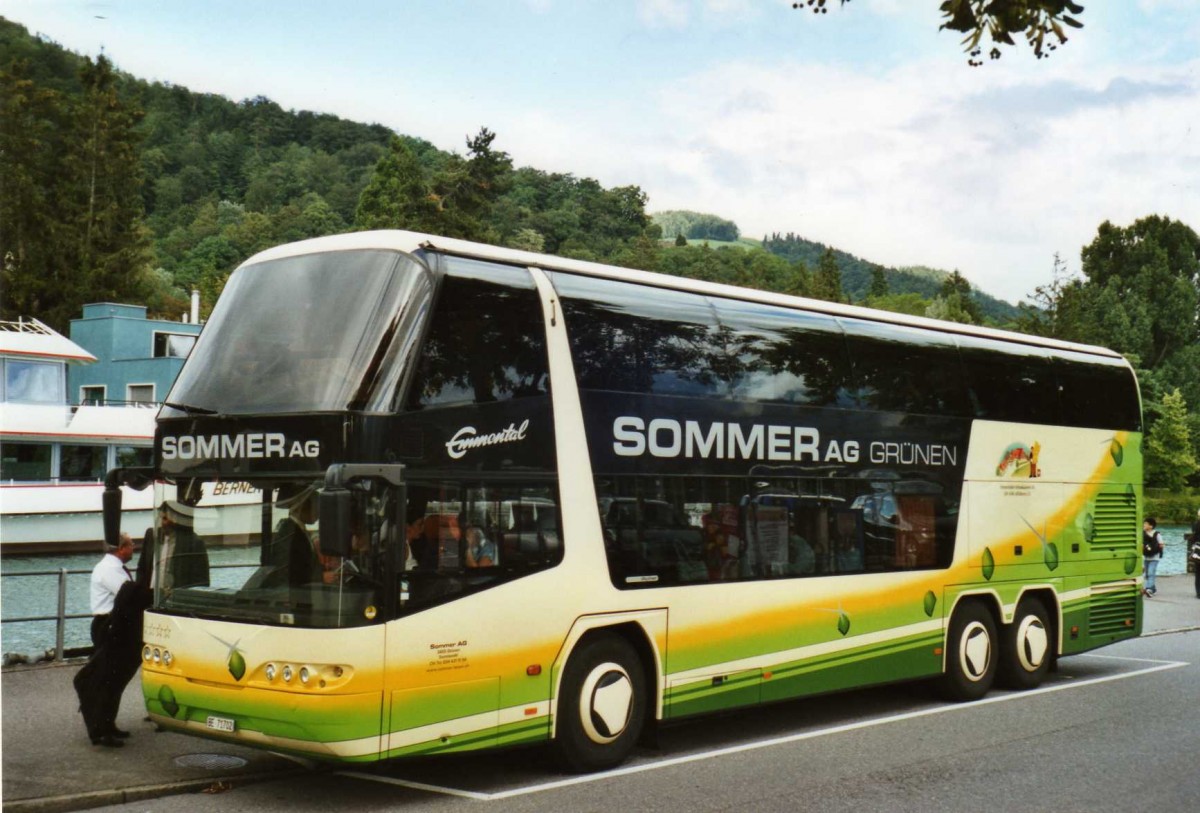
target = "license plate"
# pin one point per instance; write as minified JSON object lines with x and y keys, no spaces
{"x":220,"y":724}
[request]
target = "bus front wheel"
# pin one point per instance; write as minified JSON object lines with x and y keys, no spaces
{"x":1028,"y":647}
{"x":971,"y":650}
{"x":602,"y":705}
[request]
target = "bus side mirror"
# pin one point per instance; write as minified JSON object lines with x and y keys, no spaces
{"x":335,"y":507}
{"x":111,"y":501}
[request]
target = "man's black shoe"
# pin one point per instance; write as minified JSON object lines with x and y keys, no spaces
{"x":119,"y":733}
{"x":108,"y":741}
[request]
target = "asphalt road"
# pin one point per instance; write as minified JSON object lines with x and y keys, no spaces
{"x":1117,"y":730}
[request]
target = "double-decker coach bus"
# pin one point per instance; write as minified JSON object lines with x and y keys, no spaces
{"x":509,"y":498}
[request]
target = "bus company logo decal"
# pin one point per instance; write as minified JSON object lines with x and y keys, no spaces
{"x":468,"y":438}
{"x":245,"y":446}
{"x":1020,"y":460}
{"x":669,"y":438}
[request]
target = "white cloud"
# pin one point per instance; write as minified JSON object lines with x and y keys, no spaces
{"x":664,"y":13}
{"x":989,"y":172}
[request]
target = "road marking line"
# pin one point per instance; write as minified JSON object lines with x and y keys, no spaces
{"x":769,"y":743}
{"x":1123,"y":658}
{"x":388,"y":780}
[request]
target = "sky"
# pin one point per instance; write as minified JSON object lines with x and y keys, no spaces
{"x":863,"y":128}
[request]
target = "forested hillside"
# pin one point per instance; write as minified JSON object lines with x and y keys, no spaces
{"x":116,"y":189}
{"x":204,"y":182}
{"x":856,"y":275}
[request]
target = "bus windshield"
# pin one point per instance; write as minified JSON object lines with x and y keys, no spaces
{"x":249,"y":552}
{"x":305,"y":334}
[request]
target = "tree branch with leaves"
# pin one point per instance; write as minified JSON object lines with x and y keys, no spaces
{"x":1042,"y":22}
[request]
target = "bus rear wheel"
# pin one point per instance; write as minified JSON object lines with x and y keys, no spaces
{"x":602,"y":705}
{"x":1028,"y":648}
{"x":971,"y":647}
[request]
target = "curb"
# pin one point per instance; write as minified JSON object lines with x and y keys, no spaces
{"x":117,"y":796}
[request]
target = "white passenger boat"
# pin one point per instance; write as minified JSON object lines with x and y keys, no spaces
{"x":55,"y":454}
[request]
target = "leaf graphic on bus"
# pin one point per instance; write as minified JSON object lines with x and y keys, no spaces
{"x":235,"y":662}
{"x":1051,"y":555}
{"x":237,"y":665}
{"x":1089,"y":528}
{"x":1049,"y":549}
{"x":930,"y":603}
{"x":843,"y":623}
{"x":989,"y":564}
{"x":1130,"y":563}
{"x":166,"y":697}
{"x":1117,"y":451}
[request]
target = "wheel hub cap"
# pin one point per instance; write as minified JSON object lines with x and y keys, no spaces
{"x":606,"y":702}
{"x":975,"y":654}
{"x":1032,"y":643}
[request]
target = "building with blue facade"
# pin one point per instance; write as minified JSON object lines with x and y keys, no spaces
{"x":137,"y":359}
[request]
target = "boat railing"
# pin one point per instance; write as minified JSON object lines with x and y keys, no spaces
{"x":117,"y":402}
{"x":60,"y":652}
{"x":25,"y":325}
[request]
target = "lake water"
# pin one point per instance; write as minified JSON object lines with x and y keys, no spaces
{"x":23,"y":596}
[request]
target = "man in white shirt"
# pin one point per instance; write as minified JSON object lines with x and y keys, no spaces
{"x":107,"y":578}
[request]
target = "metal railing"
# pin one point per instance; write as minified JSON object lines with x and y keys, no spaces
{"x":61,"y":617}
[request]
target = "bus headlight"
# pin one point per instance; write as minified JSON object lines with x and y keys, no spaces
{"x":168,"y":659}
{"x":287,"y":673}
{"x":270,"y":671}
{"x":147,"y":653}
{"x":304,"y":674}
{"x":157,"y":655}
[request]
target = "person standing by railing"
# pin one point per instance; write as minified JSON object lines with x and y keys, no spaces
{"x":1194,"y":550}
{"x":107,"y":577}
{"x":102,"y":680}
{"x":1152,"y":553}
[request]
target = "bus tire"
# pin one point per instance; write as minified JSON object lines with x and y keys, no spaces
{"x":971,"y":653}
{"x":1028,"y":648}
{"x":602,"y":705}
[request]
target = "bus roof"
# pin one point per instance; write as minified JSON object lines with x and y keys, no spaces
{"x":412,"y":241}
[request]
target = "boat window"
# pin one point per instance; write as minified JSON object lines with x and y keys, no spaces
{"x":83,"y":462}
{"x":34,"y":382}
{"x":25,"y":462}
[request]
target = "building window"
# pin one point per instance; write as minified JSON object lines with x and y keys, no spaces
{"x":140,"y":393}
{"x":39,"y":382}
{"x":173,"y":345}
{"x":25,"y":462}
{"x":93,"y":395}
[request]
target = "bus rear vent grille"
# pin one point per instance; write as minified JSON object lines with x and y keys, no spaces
{"x":1112,"y":611}
{"x":1116,"y":524}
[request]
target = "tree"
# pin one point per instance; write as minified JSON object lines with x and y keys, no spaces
{"x":1040,"y":21}
{"x":453,"y":199}
{"x":1152,"y":267}
{"x":1169,"y":457}
{"x":879,"y":283}
{"x":71,"y":226}
{"x":463,"y":191}
{"x":398,"y":196}
{"x":827,"y":282}
{"x":959,"y":300}
{"x":113,"y":245}
{"x":1045,"y":314}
